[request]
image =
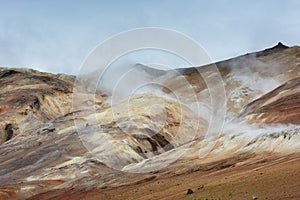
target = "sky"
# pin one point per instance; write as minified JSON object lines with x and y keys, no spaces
{"x":57,"y":35}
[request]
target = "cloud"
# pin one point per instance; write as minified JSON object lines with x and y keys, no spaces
{"x":57,"y":36}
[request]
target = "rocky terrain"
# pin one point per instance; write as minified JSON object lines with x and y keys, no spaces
{"x":278,"y":106}
{"x":151,"y":146}
{"x":30,"y":98}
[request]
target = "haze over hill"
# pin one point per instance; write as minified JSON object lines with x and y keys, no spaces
{"x":57,"y":143}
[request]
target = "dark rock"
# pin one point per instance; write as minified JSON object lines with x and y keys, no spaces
{"x":189,"y":191}
{"x":9,"y":131}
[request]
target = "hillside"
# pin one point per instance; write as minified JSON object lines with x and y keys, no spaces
{"x":57,"y":143}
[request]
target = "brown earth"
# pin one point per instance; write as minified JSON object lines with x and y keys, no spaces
{"x":263,"y":176}
{"x":281,"y":105}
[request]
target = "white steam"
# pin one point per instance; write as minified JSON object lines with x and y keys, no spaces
{"x":252,"y":131}
{"x":128,"y":74}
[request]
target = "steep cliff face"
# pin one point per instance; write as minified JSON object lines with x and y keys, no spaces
{"x":151,"y":146}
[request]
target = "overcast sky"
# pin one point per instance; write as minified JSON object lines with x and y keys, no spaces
{"x":57,"y":35}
